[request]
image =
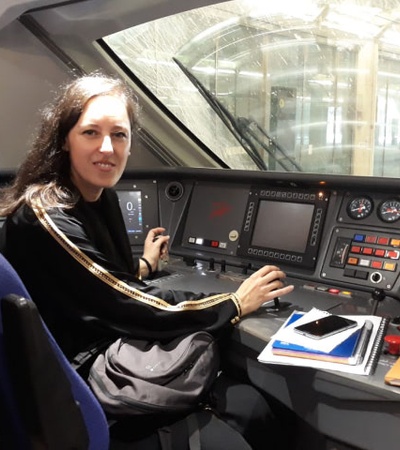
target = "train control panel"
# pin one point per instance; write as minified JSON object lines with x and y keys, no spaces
{"x":337,"y":232}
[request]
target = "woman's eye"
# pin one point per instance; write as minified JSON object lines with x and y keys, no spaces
{"x":89,"y":132}
{"x":120,"y":135}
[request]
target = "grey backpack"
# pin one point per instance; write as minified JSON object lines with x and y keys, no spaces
{"x":136,"y":377}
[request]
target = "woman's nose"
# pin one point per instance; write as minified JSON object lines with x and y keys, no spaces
{"x":106,"y":145}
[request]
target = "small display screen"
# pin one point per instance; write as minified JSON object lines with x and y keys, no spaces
{"x":131,"y":207}
{"x":282,"y":225}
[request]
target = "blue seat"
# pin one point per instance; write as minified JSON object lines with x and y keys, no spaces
{"x":44,"y":402}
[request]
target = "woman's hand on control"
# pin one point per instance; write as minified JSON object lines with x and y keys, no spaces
{"x":262,"y":286}
{"x":155,"y":248}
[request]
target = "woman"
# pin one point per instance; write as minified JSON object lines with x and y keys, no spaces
{"x":61,"y":209}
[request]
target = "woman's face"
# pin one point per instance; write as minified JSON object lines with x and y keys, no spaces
{"x":99,"y":145}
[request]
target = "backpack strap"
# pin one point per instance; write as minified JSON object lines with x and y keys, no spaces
{"x":194,"y":432}
{"x":165,"y":434}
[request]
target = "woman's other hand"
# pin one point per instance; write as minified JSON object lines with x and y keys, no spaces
{"x":155,"y":248}
{"x":262,"y":286}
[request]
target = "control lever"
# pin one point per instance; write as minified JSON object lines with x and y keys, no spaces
{"x":223,"y":266}
{"x":211,"y":265}
{"x":278,"y":305}
{"x":246,"y":269}
{"x":377,"y":296}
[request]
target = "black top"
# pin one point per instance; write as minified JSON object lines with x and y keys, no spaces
{"x":77,"y":306}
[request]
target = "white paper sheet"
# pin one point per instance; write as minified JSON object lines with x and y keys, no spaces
{"x":266,"y":356}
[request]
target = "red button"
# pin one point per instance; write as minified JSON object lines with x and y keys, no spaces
{"x":392,"y":254}
{"x":377,"y":264}
{"x":393,"y":342}
{"x":333,"y":291}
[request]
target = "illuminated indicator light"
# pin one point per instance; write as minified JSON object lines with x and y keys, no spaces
{"x":395,"y":242}
{"x":371,"y":239}
{"x":367,"y":250}
{"x":364,"y":262}
{"x":333,"y":291}
{"x":214,"y":243}
{"x":359,"y":238}
{"x":199,"y":241}
{"x":222,"y":245}
{"x":383,"y":241}
{"x":392,"y":254}
{"x":321,"y":288}
{"x":345,"y":293}
{"x":379,"y":252}
{"x":192,"y":240}
{"x":377,"y":264}
{"x":353,"y":261}
{"x":355,"y":249}
{"x":389,"y":266}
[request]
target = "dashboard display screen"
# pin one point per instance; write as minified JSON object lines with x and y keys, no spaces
{"x":131,"y":207}
{"x":282,"y":225}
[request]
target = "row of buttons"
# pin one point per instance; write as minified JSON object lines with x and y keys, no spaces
{"x":207,"y":242}
{"x":275,"y":255}
{"x":380,"y":240}
{"x":287,"y":195}
{"x":374,"y":264}
{"x":328,"y":290}
{"x":379,"y":252}
{"x":387,"y":254}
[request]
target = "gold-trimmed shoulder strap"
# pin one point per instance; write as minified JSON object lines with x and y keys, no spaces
{"x":118,"y":284}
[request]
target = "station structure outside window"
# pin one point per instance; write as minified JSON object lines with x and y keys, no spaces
{"x":311,"y":86}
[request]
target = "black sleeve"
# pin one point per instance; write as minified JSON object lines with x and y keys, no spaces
{"x":61,"y":284}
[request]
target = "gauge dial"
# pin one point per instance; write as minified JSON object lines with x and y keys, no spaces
{"x":360,"y":208}
{"x":389,"y":210}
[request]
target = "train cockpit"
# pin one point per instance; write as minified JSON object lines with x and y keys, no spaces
{"x":269,"y":134}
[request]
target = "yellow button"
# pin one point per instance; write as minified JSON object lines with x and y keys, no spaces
{"x":395,"y":242}
{"x":389,"y":266}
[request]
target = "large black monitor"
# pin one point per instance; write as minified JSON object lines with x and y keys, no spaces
{"x":214,"y":218}
{"x":283,"y":226}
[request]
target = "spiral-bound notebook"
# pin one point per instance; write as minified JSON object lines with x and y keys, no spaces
{"x":358,"y":352}
{"x":350,"y":350}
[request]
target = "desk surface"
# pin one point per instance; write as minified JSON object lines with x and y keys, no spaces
{"x":345,"y":407}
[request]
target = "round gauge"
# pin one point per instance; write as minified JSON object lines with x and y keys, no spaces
{"x":360,"y":207}
{"x":389,"y":210}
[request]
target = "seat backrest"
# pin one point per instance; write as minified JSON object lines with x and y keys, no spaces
{"x":45,"y":403}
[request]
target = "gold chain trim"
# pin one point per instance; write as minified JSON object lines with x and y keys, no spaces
{"x":118,"y":284}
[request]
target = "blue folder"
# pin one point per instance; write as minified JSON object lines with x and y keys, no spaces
{"x":351,"y":351}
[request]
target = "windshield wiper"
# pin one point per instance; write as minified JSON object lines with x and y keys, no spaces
{"x":227,"y":118}
{"x":254,"y":131}
{"x":246,"y":131}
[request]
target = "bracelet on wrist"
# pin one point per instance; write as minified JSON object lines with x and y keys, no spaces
{"x":238,"y":303}
{"x":148,"y":266}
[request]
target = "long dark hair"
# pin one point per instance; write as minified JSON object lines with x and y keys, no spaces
{"x":45,"y":171}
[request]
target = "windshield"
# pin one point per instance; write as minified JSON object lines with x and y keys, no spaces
{"x":306,"y":86}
